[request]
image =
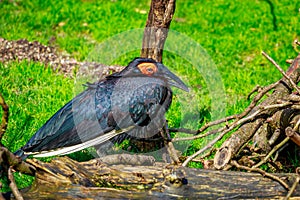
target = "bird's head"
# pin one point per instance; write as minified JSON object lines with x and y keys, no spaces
{"x":149,"y":67}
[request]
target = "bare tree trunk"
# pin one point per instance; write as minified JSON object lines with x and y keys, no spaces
{"x":156,"y":30}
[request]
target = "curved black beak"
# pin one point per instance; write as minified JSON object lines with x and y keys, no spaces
{"x":172,"y":79}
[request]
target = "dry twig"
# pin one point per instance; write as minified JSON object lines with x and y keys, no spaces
{"x":256,"y":89}
{"x":200,"y":158}
{"x":169,"y":145}
{"x":262,"y":172}
{"x":183,"y":130}
{"x":13,"y":185}
{"x":282,"y":72}
{"x":237,"y":117}
{"x":278,"y":146}
{"x":280,"y":105}
{"x":224,"y":132}
{"x":199,"y":136}
{"x":208,"y":146}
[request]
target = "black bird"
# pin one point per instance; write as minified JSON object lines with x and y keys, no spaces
{"x":130,"y":103}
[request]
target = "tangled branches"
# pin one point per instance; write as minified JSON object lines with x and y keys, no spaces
{"x":266,"y":126}
{"x":279,"y":111}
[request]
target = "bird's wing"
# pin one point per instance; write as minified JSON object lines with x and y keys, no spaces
{"x":81,"y":123}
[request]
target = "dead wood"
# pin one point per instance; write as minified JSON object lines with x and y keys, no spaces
{"x":64,"y":178}
{"x":240,"y":137}
{"x":8,"y":159}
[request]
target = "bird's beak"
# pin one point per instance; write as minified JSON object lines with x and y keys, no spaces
{"x":174,"y":80}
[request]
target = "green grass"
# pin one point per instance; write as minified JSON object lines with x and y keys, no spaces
{"x":33,"y":94}
{"x":233,"y":33}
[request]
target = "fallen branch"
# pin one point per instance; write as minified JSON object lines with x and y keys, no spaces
{"x":262,"y":172}
{"x":127,"y":159}
{"x":291,"y":134}
{"x":235,"y":124}
{"x":169,"y":145}
{"x":208,"y":146}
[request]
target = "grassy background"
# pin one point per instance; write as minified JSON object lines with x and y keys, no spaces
{"x":232,"y":32}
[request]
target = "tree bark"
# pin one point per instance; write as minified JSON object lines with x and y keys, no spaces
{"x":156,"y":30}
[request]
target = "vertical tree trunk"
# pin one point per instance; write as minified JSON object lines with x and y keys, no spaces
{"x":156,"y":30}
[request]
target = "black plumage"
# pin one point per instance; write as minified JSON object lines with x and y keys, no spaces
{"x":127,"y":104}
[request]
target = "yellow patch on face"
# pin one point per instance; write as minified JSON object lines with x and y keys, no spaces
{"x":147,"y":68}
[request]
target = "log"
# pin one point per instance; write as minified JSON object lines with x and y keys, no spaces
{"x":64,"y":178}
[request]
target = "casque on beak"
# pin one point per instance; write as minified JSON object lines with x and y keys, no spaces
{"x":172,"y":79}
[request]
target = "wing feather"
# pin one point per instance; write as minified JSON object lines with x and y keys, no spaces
{"x":79,"y":121}
{"x":81,"y":146}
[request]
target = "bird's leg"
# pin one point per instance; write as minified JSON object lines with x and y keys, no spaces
{"x":169,"y":145}
{"x":165,"y":133}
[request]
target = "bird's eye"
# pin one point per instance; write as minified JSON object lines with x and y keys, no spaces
{"x":147,"y":68}
{"x":150,"y":70}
